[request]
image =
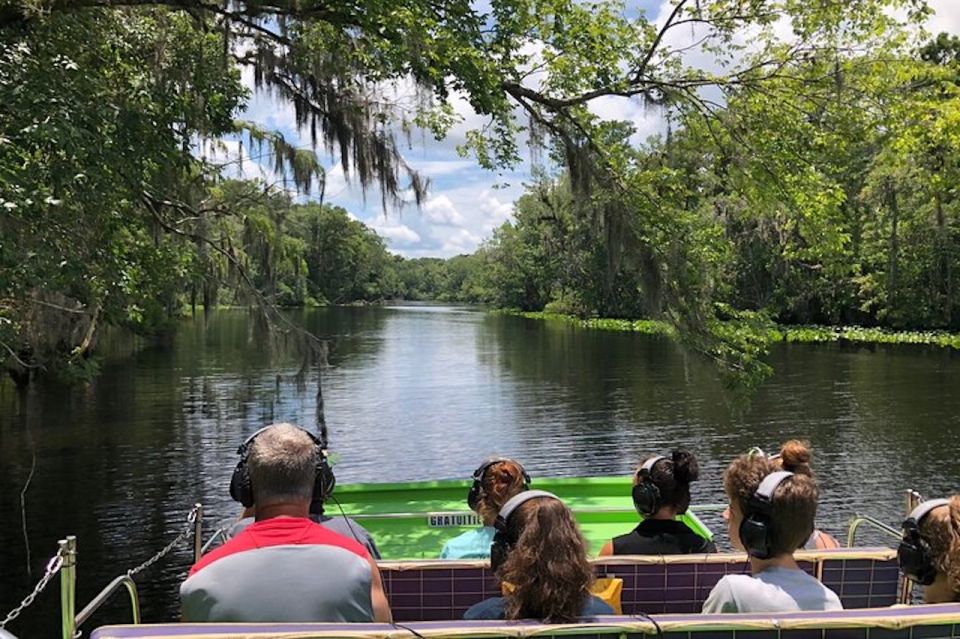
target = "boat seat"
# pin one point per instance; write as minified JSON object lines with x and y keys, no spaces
{"x":918,"y":622}
{"x":442,"y":590}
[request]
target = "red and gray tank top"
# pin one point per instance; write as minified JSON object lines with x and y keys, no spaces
{"x":283,"y":569}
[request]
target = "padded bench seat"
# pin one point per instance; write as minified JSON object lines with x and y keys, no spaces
{"x":918,"y":622}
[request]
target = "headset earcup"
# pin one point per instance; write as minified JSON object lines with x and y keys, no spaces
{"x":326,"y":481}
{"x":473,"y":495}
{"x":913,"y":558}
{"x":241,"y":489}
{"x":646,"y":498}
{"x":755,"y":537}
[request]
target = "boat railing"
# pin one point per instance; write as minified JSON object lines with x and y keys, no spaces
{"x":68,"y":577}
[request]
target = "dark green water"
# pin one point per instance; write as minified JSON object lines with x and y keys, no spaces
{"x":425,"y":393}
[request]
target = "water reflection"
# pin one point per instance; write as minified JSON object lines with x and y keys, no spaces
{"x":424,"y":393}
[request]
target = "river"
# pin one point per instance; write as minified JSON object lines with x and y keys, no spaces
{"x":424,"y":392}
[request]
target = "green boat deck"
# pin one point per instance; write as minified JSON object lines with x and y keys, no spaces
{"x":412,"y":520}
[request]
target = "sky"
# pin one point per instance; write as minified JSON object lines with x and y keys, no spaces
{"x":465,"y":202}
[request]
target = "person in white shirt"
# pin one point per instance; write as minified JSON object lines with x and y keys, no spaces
{"x":771,"y":515}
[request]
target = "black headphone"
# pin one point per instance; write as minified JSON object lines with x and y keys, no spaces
{"x":473,"y":496}
{"x":241,"y":485}
{"x":756,"y":533}
{"x":913,"y":554}
{"x":646,"y":495}
{"x":503,"y":541}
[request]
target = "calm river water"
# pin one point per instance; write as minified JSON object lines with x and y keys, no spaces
{"x":424,"y":392}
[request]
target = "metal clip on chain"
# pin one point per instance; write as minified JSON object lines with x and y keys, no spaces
{"x":53,"y":567}
{"x":191,"y":518}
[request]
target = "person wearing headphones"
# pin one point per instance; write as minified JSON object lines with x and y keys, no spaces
{"x":495,"y":481}
{"x":796,"y":453}
{"x":540,"y":559}
{"x":284,"y":567}
{"x":929,"y":553}
{"x":661,"y":492}
{"x":340,"y":524}
{"x":771,"y":516}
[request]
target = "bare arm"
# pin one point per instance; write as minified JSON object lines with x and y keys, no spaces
{"x":607,"y":549}
{"x":381,"y":607}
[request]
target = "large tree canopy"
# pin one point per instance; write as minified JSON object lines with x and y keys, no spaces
{"x":103,"y":104}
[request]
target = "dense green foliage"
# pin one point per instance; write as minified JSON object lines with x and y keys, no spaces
{"x":824,"y":142}
{"x":842,"y":209}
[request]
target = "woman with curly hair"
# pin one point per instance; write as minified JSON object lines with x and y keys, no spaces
{"x":772,"y":511}
{"x":540,"y":559}
{"x":495,"y":481}
{"x":930,"y":551}
{"x":661,"y":492}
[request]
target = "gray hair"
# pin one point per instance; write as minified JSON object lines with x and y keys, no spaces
{"x":283,"y":465}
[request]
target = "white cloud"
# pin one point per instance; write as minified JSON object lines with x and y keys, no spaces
{"x":462,"y":241}
{"x":946,"y":18}
{"x":394,"y":232}
{"x":440,"y":210}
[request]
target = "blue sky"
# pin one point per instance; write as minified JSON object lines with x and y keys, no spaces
{"x":466,"y":202}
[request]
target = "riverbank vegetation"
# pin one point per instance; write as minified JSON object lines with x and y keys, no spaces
{"x":807,"y":175}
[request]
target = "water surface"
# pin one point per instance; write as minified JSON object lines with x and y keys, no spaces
{"x":425,"y":392}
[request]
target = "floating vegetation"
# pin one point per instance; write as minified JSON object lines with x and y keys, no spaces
{"x":793,"y":334}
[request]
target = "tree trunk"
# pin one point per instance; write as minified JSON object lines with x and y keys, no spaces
{"x":893,"y":251}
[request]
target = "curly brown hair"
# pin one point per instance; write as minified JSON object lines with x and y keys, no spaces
{"x":941,"y":530}
{"x":794,"y":505}
{"x":547,"y":566}
{"x":500,"y":482}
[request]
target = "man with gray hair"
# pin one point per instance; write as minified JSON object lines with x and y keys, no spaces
{"x":283,"y":567}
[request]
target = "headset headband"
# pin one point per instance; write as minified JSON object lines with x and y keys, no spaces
{"x":648,"y":465}
{"x":514,"y":502}
{"x":487,"y":463}
{"x":768,"y":486}
{"x":924,"y":508}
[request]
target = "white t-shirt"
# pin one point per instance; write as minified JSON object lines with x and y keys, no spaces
{"x":773,"y":590}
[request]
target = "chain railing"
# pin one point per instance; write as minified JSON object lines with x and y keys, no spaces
{"x":53,"y":567}
{"x":193,"y":517}
{"x":64,"y":563}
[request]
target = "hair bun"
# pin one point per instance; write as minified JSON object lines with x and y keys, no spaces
{"x":685,"y":467}
{"x":796,"y":457}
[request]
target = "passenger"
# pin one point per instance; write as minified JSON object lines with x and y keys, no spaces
{"x":283,"y":567}
{"x":661,"y":492}
{"x":930,"y":551}
{"x":494,"y":483}
{"x":799,"y":452}
{"x":540,"y":559}
{"x":340,"y":524}
{"x":771,"y":515}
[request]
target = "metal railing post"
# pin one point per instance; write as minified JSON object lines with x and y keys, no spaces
{"x":68,"y":586}
{"x":198,"y":533}
{"x":912,"y":500}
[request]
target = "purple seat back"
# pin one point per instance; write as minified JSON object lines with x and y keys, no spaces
{"x":439,"y":590}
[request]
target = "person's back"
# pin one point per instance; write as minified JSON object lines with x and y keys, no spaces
{"x":660,"y":537}
{"x":773,"y":590}
{"x":341,"y":524}
{"x":282,"y":569}
{"x":661,"y":492}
